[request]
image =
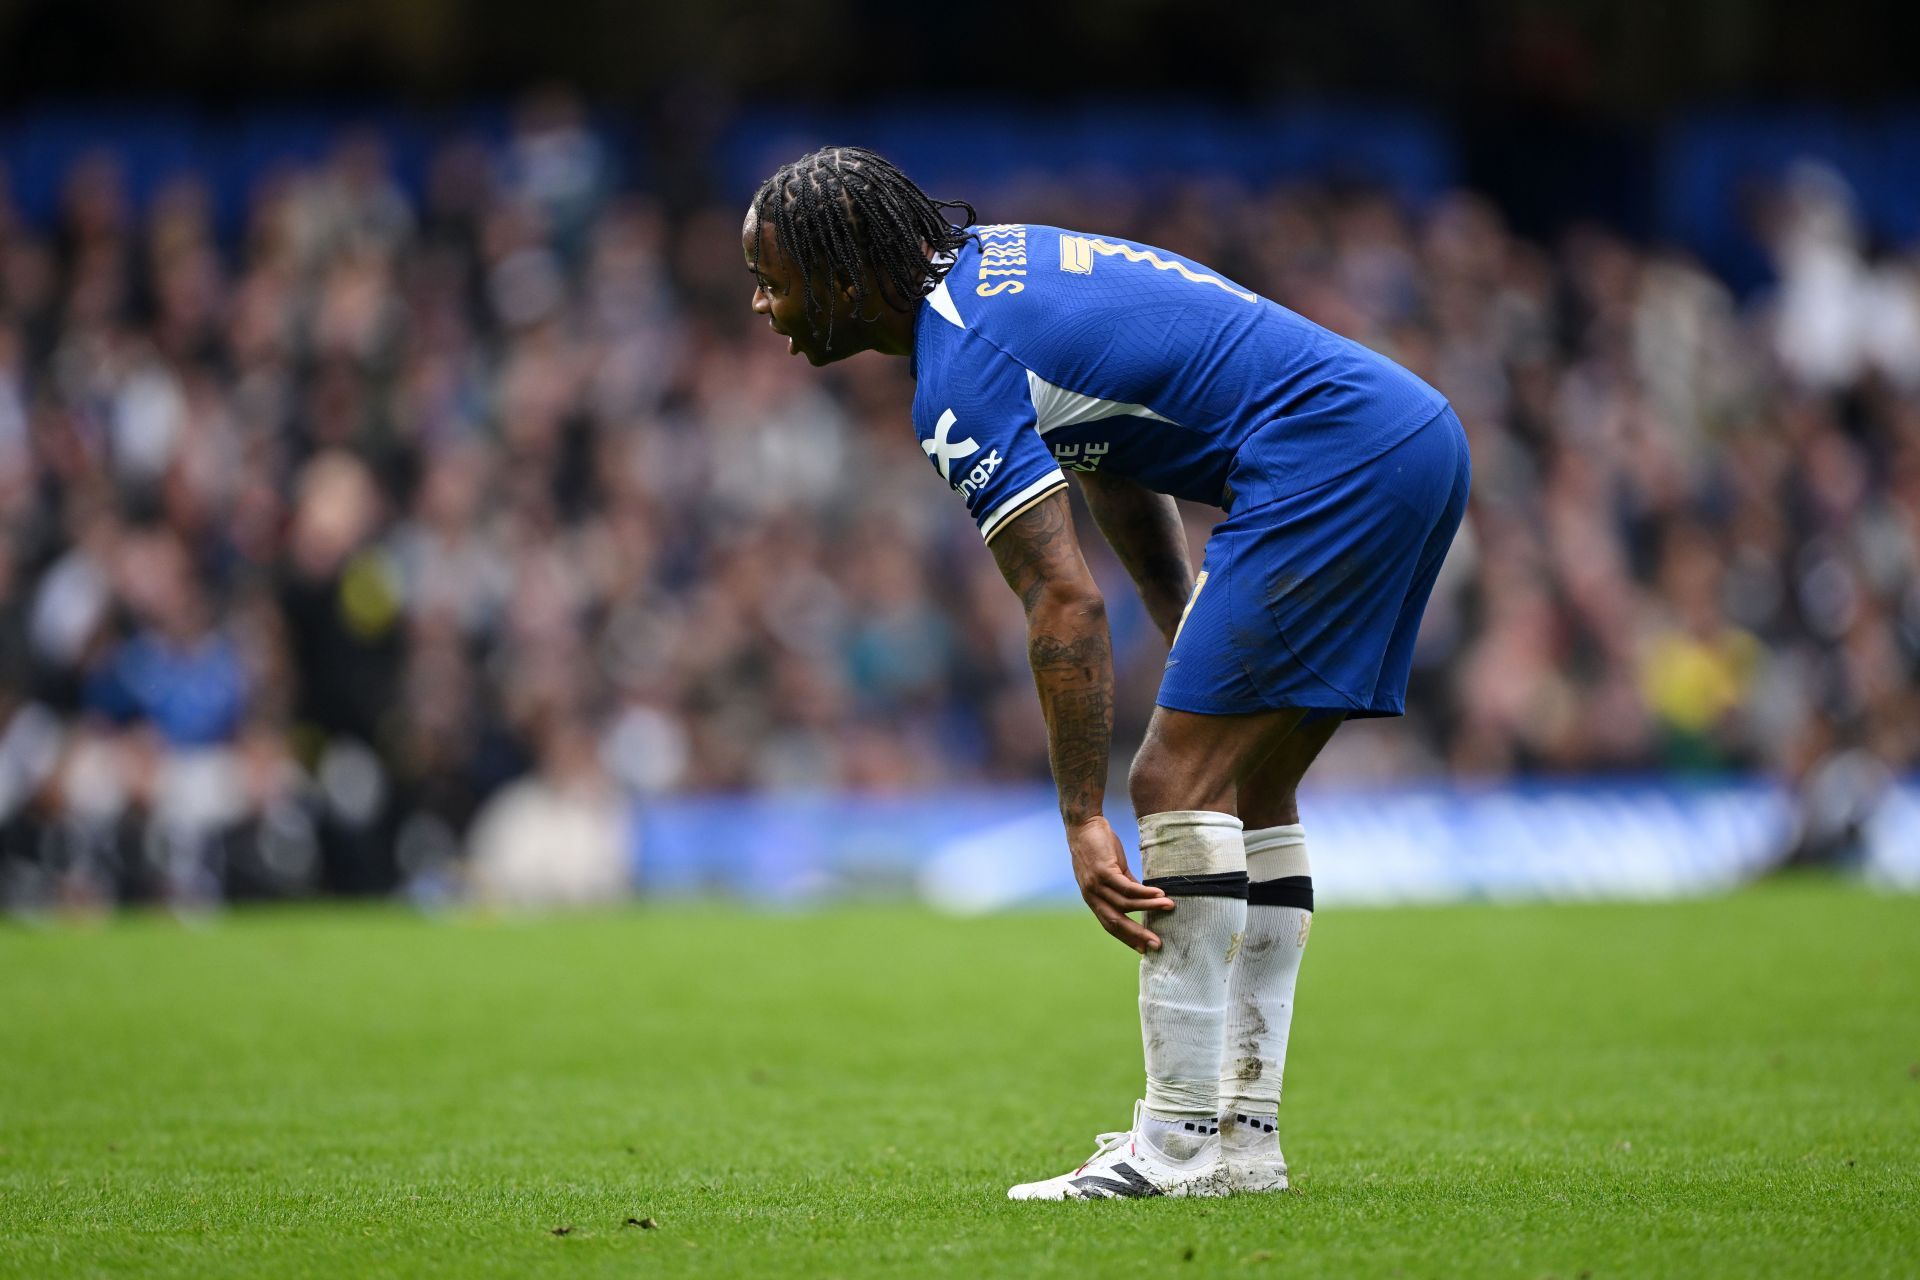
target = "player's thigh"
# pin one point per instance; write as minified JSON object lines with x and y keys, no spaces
{"x":1191,"y":760}
{"x":1267,"y":793}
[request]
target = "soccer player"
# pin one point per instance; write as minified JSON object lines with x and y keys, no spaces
{"x":1040,"y":351}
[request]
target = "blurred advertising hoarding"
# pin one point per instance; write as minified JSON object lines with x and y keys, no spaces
{"x":984,"y":850}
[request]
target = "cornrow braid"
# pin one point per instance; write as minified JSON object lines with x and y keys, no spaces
{"x":844,"y":210}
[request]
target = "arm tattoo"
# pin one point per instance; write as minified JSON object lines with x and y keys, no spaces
{"x":1068,"y":647}
{"x":1027,"y":548}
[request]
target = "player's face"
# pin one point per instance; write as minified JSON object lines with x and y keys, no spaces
{"x":780,"y":294}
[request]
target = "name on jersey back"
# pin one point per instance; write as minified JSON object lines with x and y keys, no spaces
{"x":1003,"y":254}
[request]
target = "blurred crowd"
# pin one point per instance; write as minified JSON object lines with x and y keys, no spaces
{"x":396,"y":542}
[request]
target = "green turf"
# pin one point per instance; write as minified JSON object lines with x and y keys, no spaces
{"x":1719,"y":1088}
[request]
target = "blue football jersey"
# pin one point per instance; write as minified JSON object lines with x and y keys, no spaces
{"x":1044,"y":349}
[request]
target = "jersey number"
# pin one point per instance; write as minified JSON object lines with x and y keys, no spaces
{"x":1077,"y":254}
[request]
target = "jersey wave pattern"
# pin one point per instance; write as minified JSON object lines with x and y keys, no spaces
{"x":1043,"y":347}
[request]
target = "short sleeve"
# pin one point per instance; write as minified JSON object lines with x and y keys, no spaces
{"x":975,"y":419}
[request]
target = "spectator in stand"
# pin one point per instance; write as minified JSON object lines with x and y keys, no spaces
{"x":318,"y":540}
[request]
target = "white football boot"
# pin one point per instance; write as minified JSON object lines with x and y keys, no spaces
{"x":1127,"y":1164}
{"x":1250,"y":1158}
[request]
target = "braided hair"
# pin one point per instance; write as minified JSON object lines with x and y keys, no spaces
{"x":844,"y":210}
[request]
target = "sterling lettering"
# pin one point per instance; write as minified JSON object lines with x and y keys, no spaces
{"x":1003,"y":253}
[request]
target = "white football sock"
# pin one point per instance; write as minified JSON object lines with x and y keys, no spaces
{"x":1179,"y":1141}
{"x":1196,"y":858}
{"x":1260,"y":988}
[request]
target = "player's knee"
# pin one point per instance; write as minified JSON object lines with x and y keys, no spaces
{"x":1159,"y":783}
{"x":1144,"y":780}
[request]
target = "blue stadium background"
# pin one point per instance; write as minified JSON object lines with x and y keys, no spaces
{"x":400,"y":499}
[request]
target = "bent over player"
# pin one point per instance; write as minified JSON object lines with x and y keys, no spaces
{"x":1343,"y":477}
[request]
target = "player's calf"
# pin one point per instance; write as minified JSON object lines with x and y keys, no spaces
{"x":1173,"y":1146}
{"x":1197,"y":859}
{"x":1260,"y":1007}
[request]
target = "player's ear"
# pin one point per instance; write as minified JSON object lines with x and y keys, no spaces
{"x":875,"y":289}
{"x":850,"y":300}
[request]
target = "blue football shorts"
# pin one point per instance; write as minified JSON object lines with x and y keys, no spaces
{"x":1314,"y":599}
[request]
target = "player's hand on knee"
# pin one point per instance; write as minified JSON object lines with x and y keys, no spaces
{"x":1108,"y":888}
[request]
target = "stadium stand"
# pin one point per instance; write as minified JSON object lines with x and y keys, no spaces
{"x":369,"y":493}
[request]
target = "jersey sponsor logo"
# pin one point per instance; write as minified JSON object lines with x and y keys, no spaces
{"x":946,"y":452}
{"x":1081,"y":457}
{"x":983,"y":470}
{"x":1125,"y":1181}
{"x":1003,"y":253}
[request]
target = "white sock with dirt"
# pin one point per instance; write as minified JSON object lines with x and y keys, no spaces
{"x":1196,"y":858}
{"x":1260,"y":987}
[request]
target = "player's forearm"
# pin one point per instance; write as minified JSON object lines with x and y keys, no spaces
{"x":1146,"y":532}
{"x":1073,"y":670}
{"x":1067,"y":645}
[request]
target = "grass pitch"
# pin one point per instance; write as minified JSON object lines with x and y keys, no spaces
{"x":1718,"y":1088}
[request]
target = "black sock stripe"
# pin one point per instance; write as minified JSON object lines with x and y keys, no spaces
{"x":1287,"y":891}
{"x":1226,"y":884}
